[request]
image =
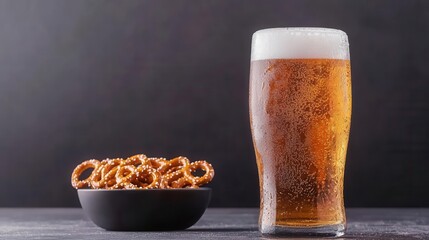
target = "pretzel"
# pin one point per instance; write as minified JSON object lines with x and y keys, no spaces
{"x":97,"y":179}
{"x":203,"y":165}
{"x":141,"y":172}
{"x":76,"y":183}
{"x":98,"y":176}
{"x":125,"y":174}
{"x":174,"y":178}
{"x":147,"y":177}
{"x":136,"y":160}
{"x":174,"y":165}
{"x":156,"y":163}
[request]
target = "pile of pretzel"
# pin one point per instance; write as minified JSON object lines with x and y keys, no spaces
{"x":141,"y":172}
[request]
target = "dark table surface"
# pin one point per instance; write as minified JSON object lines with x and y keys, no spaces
{"x":233,"y":223}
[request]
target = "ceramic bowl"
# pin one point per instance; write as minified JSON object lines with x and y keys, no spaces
{"x":144,"y":210}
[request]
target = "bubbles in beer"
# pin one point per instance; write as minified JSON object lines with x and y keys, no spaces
{"x":300,"y":112}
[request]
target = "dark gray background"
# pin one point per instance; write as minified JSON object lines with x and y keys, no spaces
{"x":95,"y":79}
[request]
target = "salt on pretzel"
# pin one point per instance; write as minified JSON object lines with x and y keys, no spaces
{"x":203,"y":165}
{"x":97,"y":179}
{"x":76,"y":183}
{"x":168,"y":179}
{"x":125,"y":174}
{"x":136,"y":160}
{"x":141,"y":172}
{"x":156,"y":163}
{"x":147,"y":177}
{"x":174,"y":165}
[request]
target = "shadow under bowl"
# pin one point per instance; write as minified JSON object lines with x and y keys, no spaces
{"x":144,"y":210}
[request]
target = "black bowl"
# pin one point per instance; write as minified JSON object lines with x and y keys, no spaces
{"x":144,"y":210}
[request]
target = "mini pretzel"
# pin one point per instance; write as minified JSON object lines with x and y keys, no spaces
{"x":141,"y":172}
{"x":168,"y":179}
{"x":147,"y":177}
{"x":203,"y":165}
{"x":174,"y":165}
{"x":136,"y":160}
{"x":76,"y":183}
{"x":156,"y":163}
{"x":182,"y":183}
{"x":97,"y":179}
{"x":125,"y":174}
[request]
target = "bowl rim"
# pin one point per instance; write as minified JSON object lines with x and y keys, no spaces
{"x":143,"y":190}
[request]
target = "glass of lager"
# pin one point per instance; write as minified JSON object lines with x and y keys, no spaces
{"x":300,"y":110}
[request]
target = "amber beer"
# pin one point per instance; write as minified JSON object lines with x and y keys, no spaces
{"x":300,"y":110}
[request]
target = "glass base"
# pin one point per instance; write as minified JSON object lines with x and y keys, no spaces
{"x":336,"y":230}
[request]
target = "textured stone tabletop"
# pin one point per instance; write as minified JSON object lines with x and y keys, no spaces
{"x":63,"y":223}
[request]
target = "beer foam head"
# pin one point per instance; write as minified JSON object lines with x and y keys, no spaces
{"x":298,"y":43}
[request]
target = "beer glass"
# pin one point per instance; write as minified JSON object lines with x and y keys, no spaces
{"x":300,"y":110}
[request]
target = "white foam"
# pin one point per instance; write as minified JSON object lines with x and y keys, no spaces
{"x":298,"y":43}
